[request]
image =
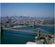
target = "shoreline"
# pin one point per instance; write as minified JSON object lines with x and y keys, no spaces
{"x":46,"y":25}
{"x":18,"y":26}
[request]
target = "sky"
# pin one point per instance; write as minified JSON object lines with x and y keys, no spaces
{"x":0,"y":10}
{"x":27,"y":9}
{"x":54,"y":10}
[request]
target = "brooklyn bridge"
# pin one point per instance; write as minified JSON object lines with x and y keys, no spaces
{"x":39,"y":31}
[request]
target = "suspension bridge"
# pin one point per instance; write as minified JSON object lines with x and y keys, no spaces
{"x":41,"y":31}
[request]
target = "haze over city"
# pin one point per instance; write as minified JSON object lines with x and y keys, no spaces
{"x":27,"y":9}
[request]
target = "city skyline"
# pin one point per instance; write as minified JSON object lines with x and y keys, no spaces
{"x":27,"y":9}
{"x":24,"y":23}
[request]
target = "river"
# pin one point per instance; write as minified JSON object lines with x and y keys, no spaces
{"x":14,"y":37}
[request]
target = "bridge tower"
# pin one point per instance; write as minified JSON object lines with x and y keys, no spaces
{"x":38,"y":32}
{"x":34,"y":26}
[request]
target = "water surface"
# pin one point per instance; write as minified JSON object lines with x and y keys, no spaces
{"x":18,"y":37}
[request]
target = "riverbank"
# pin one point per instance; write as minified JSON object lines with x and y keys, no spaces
{"x":19,"y":26}
{"x":46,"y":25}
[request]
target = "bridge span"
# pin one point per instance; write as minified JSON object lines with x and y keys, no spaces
{"x":29,"y":31}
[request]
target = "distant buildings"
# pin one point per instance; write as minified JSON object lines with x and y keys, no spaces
{"x":21,"y":20}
